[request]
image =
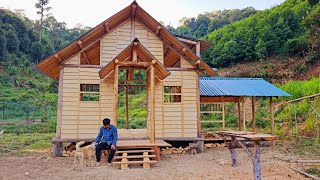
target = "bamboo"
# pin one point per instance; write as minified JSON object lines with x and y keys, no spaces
{"x":152,"y":103}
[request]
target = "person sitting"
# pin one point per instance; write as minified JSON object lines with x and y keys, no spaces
{"x":107,"y":138}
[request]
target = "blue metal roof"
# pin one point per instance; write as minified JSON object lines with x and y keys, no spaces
{"x":223,"y":86}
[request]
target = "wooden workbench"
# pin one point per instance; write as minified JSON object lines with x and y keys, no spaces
{"x":245,"y":140}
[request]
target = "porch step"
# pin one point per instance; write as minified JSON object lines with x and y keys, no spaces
{"x":134,"y":151}
{"x":135,"y":162}
{"x":136,"y":157}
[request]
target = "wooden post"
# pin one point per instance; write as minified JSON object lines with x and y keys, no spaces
{"x":127,"y":104}
{"x":223,"y":116}
{"x":271,"y":116}
{"x":157,"y":153}
{"x":253,"y":113}
{"x":57,"y":146}
{"x":244,"y":114}
{"x":198,"y":108}
{"x":239,"y":115}
{"x":257,"y":162}
{"x":272,"y":119}
{"x":152,"y":104}
{"x":233,"y":152}
{"x":124,"y":161}
{"x":146,"y":165}
{"x":200,"y":146}
{"x":57,"y":149}
{"x":115,"y":91}
{"x":255,"y":157}
{"x":60,"y":94}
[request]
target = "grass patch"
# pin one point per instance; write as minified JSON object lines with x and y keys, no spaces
{"x":17,"y":145}
{"x":45,"y":127}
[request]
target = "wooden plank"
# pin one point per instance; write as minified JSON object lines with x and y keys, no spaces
{"x":135,"y":162}
{"x":135,"y":156}
{"x":60,"y":105}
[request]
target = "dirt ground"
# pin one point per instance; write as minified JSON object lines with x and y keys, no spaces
{"x":212,"y":164}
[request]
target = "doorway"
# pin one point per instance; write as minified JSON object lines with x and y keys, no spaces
{"x":132,"y":99}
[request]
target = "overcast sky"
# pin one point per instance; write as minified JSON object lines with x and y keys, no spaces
{"x":92,"y":12}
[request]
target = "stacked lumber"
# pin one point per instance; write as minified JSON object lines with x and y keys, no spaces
{"x":213,"y":145}
{"x":174,"y":150}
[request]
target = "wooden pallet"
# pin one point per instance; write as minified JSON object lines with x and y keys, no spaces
{"x":124,"y":158}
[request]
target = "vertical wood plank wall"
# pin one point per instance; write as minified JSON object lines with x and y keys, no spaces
{"x":180,"y":119}
{"x":83,"y":119}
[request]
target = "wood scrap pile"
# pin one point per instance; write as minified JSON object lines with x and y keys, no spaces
{"x":212,"y":145}
{"x":174,"y":150}
{"x":209,"y":135}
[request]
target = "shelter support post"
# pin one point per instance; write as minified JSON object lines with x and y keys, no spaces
{"x":253,"y":114}
{"x":239,"y":115}
{"x":272,"y":118}
{"x":243,"y":115}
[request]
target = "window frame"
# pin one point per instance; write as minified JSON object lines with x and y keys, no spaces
{"x":172,"y":94}
{"x":94,"y":91}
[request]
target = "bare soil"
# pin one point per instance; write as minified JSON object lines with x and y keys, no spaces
{"x":212,"y":164}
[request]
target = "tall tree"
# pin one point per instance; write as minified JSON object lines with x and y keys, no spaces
{"x":41,"y":5}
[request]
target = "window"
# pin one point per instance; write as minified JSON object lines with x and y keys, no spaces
{"x":89,"y":92}
{"x":172,"y":94}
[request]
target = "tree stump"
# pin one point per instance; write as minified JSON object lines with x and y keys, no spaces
{"x":57,"y":149}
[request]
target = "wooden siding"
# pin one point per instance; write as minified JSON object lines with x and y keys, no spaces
{"x":80,"y":119}
{"x":74,"y":60}
{"x":180,"y":119}
{"x":113,"y":43}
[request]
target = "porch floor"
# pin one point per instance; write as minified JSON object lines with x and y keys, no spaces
{"x":141,"y":143}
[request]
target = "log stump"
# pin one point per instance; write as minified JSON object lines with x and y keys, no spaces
{"x":57,"y":149}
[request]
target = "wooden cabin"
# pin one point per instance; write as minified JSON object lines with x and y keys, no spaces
{"x":130,"y":40}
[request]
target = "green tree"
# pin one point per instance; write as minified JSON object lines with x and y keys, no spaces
{"x":12,"y":41}
{"x":41,"y":5}
{"x":3,"y":44}
{"x":37,"y":51}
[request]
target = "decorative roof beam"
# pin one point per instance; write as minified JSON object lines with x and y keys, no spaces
{"x":106,"y":27}
{"x":83,"y":53}
{"x":158,"y":30}
{"x":58,"y":57}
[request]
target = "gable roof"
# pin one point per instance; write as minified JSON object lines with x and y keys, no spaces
{"x":143,"y":55}
{"x":213,"y":86}
{"x":51,"y":65}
